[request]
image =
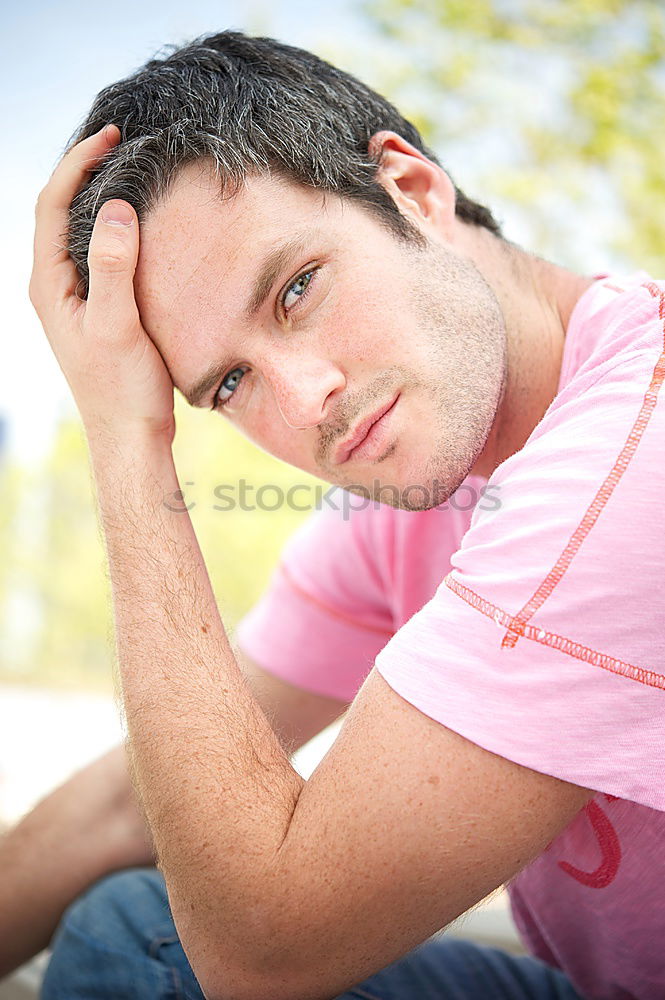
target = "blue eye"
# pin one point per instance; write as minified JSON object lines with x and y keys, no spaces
{"x":298,"y":289}
{"x":229,"y":385}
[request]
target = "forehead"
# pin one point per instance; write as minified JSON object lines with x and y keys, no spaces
{"x":198,"y":249}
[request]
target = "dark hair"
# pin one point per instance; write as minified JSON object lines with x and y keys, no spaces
{"x":248,"y":105}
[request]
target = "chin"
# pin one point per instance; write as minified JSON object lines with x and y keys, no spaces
{"x":416,"y":493}
{"x":424,"y":485}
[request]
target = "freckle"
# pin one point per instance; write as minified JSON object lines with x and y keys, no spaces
{"x":434,"y":779}
{"x":204,"y":627}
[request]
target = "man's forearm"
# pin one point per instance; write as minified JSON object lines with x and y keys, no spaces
{"x":218,"y":789}
{"x":87,"y":828}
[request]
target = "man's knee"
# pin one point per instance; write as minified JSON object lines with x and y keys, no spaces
{"x":109,"y":941}
{"x":125,"y":908}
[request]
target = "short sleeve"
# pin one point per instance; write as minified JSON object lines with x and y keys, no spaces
{"x":327,"y":611}
{"x":545,"y":643}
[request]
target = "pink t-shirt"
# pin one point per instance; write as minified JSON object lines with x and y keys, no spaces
{"x":529,"y":616}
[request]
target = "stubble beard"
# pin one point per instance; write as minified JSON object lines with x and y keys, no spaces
{"x":459,"y":313}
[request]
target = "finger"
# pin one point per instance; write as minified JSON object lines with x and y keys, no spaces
{"x":52,"y":264}
{"x":112,"y":258}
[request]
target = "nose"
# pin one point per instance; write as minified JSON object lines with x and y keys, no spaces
{"x":305,"y":390}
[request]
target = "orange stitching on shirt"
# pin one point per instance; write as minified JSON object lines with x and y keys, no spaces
{"x":322,"y":606}
{"x":650,"y":677}
{"x":516,"y":626}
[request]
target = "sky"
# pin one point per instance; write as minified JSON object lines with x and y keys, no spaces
{"x":56,"y":58}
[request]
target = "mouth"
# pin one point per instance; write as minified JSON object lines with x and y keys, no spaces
{"x":368,"y":437}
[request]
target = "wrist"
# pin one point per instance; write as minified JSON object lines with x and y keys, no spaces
{"x":121,"y":454}
{"x":118,"y":439}
{"x":106,"y":817}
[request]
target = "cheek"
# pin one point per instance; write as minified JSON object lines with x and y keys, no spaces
{"x":256,"y":424}
{"x":262,"y":424}
{"x":368,"y":329}
{"x":295,"y":447}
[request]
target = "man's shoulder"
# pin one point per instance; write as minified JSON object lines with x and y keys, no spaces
{"x":616,"y":315}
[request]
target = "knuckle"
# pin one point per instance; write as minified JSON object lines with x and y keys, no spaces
{"x":108,"y":261}
{"x":33,"y":291}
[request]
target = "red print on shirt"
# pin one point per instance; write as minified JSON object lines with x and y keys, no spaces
{"x":610,"y":847}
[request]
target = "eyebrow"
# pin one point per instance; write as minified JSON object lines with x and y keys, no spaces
{"x":270,"y":269}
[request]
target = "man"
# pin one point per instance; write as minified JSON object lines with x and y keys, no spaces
{"x":307,"y":267}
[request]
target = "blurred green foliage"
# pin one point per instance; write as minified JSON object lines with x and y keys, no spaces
{"x":550,"y":109}
{"x":57,"y":627}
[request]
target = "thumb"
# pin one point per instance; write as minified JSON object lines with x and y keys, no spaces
{"x":112,"y":257}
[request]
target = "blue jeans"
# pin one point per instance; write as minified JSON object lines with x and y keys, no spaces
{"x":119,"y":941}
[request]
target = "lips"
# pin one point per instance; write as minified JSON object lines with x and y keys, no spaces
{"x":360,"y":432}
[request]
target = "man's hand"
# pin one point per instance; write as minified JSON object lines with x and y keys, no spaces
{"x":120,"y":383}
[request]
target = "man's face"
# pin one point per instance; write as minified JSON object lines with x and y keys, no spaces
{"x":307,"y":321}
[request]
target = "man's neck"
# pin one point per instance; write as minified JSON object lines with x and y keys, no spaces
{"x":537,"y":299}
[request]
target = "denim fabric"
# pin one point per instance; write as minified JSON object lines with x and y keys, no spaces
{"x":118,"y":941}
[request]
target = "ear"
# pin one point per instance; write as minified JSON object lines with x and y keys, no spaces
{"x":421,"y":190}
